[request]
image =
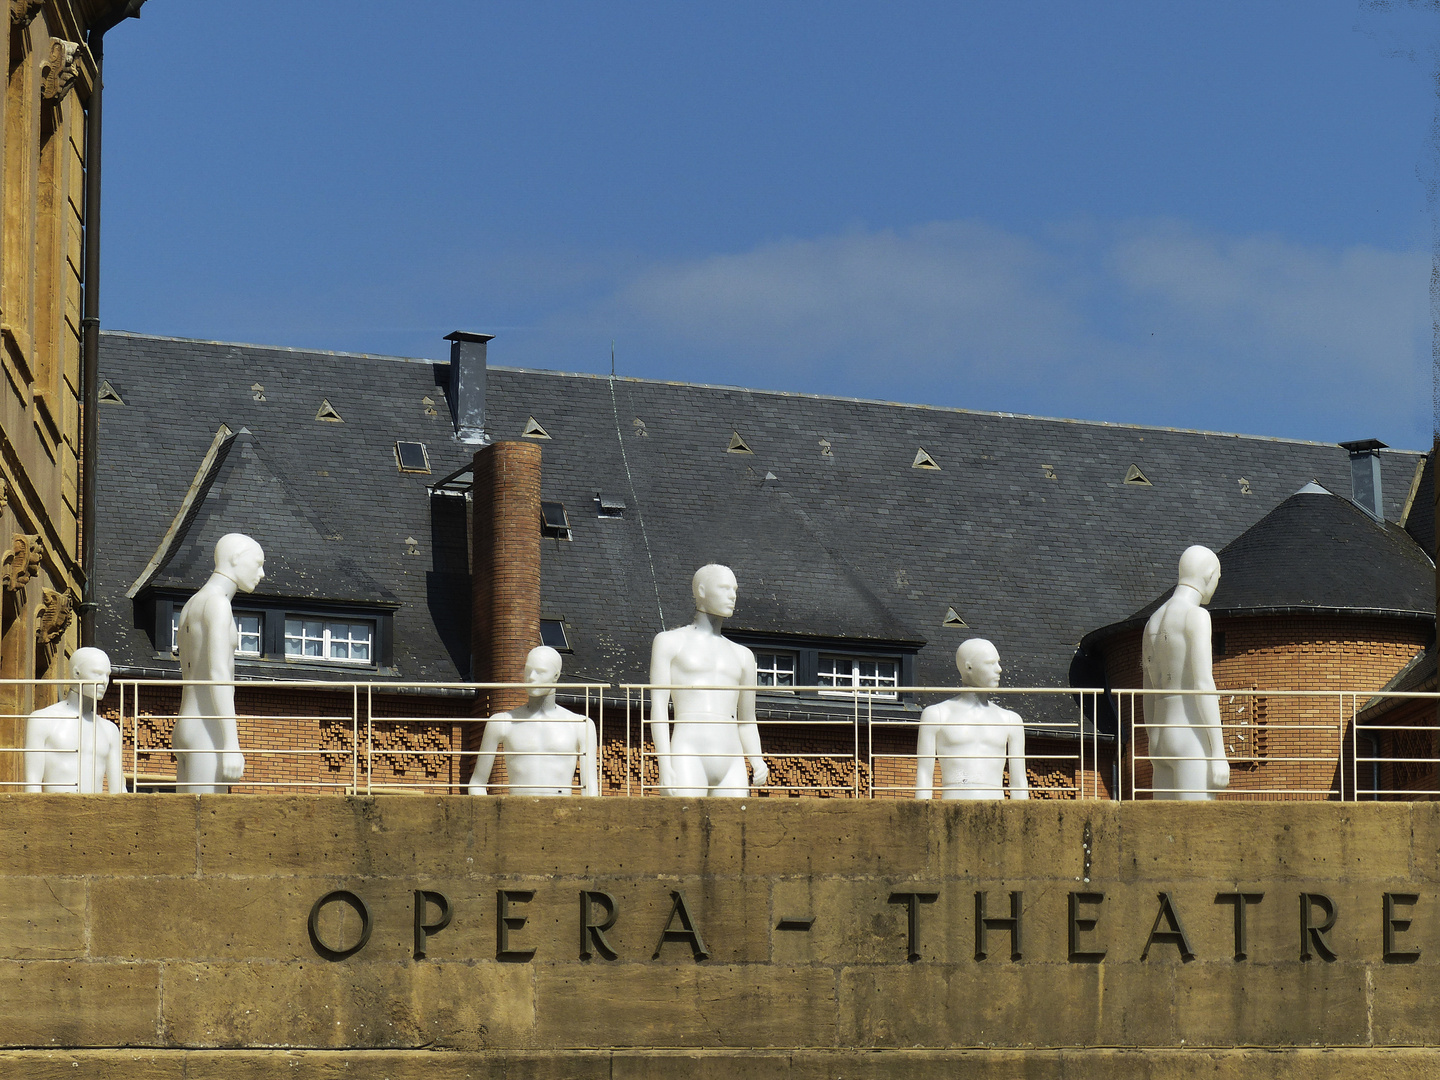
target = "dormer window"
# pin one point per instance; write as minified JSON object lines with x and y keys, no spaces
{"x":323,"y":639}
{"x":849,"y":674}
{"x":278,"y":632}
{"x":249,"y":626}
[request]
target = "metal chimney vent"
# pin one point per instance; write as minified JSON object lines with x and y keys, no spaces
{"x":1365,"y":476}
{"x":467,"y":385}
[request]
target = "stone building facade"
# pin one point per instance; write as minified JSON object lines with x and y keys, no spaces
{"x":51,"y":75}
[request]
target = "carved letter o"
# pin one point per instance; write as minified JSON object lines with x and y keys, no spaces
{"x":355,"y":902}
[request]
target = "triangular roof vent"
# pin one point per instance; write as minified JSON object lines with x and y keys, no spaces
{"x":1133,"y":475}
{"x":327,"y":412}
{"x":738,"y":445}
{"x":108,"y":393}
{"x":923,"y":460}
{"x":952,"y":618}
{"x":533,"y":430}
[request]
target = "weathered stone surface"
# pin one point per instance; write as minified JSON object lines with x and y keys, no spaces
{"x":684,"y":1004}
{"x":42,"y":918}
{"x":347,"y":1004}
{"x":60,"y":1003}
{"x":1312,"y":1004}
{"x":1263,"y":841}
{"x":805,"y":1064}
{"x":202,"y":903}
{"x":96,"y":834}
{"x":1045,"y":1005}
{"x":272,"y":835}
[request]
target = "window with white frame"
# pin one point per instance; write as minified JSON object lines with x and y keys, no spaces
{"x":775,"y":668}
{"x":324,"y":639}
{"x":247,"y":627}
{"x":848,"y":674}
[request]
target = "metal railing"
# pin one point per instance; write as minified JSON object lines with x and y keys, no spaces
{"x":819,"y":741}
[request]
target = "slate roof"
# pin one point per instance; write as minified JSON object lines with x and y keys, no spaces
{"x":1315,"y":552}
{"x":1027,"y":528}
{"x":303,"y":559}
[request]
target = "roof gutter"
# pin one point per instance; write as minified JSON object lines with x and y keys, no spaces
{"x":90,"y":315}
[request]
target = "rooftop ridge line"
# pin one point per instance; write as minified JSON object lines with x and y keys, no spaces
{"x":1111,"y":424}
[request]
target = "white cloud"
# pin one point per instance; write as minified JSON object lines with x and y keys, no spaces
{"x":1151,"y":321}
{"x":946,"y":289}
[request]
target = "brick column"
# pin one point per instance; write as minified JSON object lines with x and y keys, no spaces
{"x":505,"y":575}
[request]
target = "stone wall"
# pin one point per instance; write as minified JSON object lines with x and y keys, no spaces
{"x":186,"y":931}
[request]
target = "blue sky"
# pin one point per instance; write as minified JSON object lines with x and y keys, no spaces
{"x":1201,"y":215}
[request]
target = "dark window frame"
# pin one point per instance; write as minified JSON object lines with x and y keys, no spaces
{"x":808,"y":650}
{"x":273,"y":614}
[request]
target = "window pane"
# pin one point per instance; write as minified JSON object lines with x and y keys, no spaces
{"x":775,"y":669}
{"x":248,"y":627}
{"x":835,"y":671}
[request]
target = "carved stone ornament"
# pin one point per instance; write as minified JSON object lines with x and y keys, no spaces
{"x":4,"y":496}
{"x":21,"y":562}
{"x":60,"y":70}
{"x":53,"y":619}
{"x":23,"y":12}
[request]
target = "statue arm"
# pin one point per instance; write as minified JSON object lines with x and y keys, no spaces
{"x":749,"y":729}
{"x":496,"y":728}
{"x":589,"y":761}
{"x":114,"y":773}
{"x":1015,"y":747}
{"x":1197,"y":627}
{"x":925,"y":758}
{"x":37,"y":730}
{"x":661,"y":653}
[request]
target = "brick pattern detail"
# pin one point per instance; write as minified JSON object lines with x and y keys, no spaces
{"x":1330,"y":654}
{"x":301,"y":740}
{"x":505,"y":616}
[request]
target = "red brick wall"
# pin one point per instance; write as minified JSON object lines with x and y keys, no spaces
{"x":1334,"y":655}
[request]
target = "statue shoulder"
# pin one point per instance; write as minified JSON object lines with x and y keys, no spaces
{"x":745,"y":653}
{"x":61,"y":710}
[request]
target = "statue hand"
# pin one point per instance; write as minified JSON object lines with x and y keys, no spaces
{"x":761,"y":771}
{"x":1219,"y":774}
{"x":232,"y":767}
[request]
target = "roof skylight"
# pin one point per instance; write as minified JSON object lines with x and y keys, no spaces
{"x":411,"y":457}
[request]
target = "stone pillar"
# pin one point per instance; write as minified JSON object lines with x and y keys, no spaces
{"x":505,"y":572}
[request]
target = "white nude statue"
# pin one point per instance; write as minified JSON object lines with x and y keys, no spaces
{"x":1187,"y":751}
{"x":974,"y":738}
{"x":542,"y":741}
{"x":715,"y":730}
{"x":206,"y":741}
{"x":68,"y":747}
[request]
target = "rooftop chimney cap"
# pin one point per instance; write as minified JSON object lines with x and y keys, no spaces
{"x":469,"y":335}
{"x":1364,"y":446}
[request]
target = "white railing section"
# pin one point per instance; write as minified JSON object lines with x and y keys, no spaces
{"x":370,"y":738}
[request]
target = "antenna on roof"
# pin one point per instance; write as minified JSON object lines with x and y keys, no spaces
{"x":612,"y":357}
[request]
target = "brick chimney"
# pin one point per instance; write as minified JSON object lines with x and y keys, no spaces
{"x":505,"y":572}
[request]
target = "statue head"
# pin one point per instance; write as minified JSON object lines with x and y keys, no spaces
{"x":1200,"y":569}
{"x":240,"y":559}
{"x":714,"y":588}
{"x":542,"y":666}
{"x":91,"y":669}
{"x":979,"y":663}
